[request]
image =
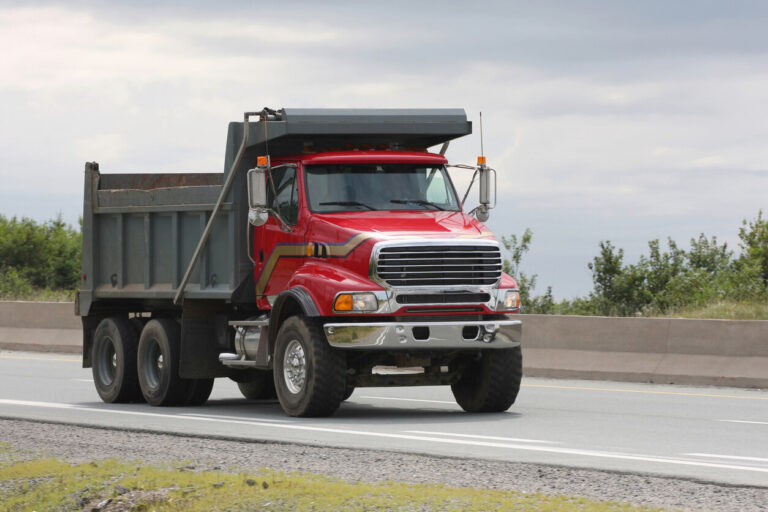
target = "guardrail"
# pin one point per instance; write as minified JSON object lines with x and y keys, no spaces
{"x":662,"y":350}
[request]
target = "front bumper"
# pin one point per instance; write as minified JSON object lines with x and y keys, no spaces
{"x":476,"y":335}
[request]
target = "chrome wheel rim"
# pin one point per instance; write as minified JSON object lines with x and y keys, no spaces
{"x":107,"y":367}
{"x":294,"y":367}
{"x":154,"y":365}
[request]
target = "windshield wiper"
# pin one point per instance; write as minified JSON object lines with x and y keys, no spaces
{"x":347,"y":203}
{"x":418,"y":201}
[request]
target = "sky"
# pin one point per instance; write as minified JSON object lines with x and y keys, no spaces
{"x":610,"y":120}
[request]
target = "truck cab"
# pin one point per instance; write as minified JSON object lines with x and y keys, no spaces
{"x":362,"y":270}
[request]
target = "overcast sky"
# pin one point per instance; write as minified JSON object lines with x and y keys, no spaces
{"x":621,"y":121}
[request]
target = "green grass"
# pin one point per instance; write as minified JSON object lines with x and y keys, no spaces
{"x":725,"y":311}
{"x":50,"y":484}
{"x":40,"y":295}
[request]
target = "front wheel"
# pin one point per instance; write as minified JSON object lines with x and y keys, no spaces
{"x":490,"y":381}
{"x":310,"y":375}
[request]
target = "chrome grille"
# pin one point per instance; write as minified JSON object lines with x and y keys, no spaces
{"x":439,"y":265}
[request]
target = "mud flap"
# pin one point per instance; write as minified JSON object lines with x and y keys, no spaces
{"x":204,"y":335}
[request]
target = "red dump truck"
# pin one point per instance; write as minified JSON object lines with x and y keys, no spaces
{"x":332,"y":253}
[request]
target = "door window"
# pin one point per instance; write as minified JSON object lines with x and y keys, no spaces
{"x":284,"y":196}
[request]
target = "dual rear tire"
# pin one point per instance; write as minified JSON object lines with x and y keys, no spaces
{"x":128,"y":367}
{"x":113,"y":359}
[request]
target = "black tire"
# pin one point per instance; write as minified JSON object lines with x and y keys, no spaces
{"x":198,"y":391}
{"x":261,"y":388}
{"x":138,"y":323}
{"x":491,"y":382}
{"x":347,"y":393}
{"x":113,"y":357}
{"x":158,"y":363}
{"x":320,"y":391}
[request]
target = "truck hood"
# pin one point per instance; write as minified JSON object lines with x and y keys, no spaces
{"x":408,"y":224}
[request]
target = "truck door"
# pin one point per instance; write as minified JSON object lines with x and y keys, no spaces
{"x":280,"y":250}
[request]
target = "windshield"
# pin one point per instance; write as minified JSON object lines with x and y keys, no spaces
{"x":345,"y":188}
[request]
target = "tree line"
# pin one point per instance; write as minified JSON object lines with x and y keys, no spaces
{"x":42,"y":260}
{"x":665,"y":281}
{"x":38,"y":260}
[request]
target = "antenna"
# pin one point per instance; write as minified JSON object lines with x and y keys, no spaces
{"x":482,"y":152}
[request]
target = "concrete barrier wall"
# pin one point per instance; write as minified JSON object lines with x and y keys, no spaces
{"x":40,"y":326}
{"x":663,"y":350}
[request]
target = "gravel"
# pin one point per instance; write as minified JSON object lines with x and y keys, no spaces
{"x":81,"y":444}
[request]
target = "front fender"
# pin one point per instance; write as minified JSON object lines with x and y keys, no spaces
{"x":323,"y":281}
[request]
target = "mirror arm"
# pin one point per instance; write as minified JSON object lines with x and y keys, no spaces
{"x":469,"y":188}
{"x":283,"y":225}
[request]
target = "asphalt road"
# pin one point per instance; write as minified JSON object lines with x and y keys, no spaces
{"x":711,"y":434}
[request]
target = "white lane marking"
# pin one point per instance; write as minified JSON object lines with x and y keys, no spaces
{"x":51,"y":405}
{"x":36,"y":358}
{"x":745,"y":421}
{"x":224,"y":417}
{"x":734,"y":457}
{"x":408,"y":399}
{"x":544,"y":449}
{"x":89,"y":381}
{"x":492,"y":438}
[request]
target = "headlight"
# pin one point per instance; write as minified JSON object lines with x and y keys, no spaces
{"x":363,"y":302}
{"x":512,"y":300}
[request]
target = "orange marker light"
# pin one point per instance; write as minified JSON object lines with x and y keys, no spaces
{"x":261,"y":161}
{"x":480,"y":160}
{"x":343,"y":302}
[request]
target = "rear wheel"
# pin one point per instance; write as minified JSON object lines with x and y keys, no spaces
{"x":198,"y":391}
{"x":158,"y":363}
{"x":489,"y":382}
{"x":113,"y":359}
{"x":310,"y":375}
{"x":261,"y":388}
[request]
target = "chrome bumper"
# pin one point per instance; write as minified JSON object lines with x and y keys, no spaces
{"x":491,"y":334}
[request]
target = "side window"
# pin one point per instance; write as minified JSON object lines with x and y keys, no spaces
{"x":286,"y":200}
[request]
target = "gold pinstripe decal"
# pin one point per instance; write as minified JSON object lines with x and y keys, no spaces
{"x":338,"y":251}
{"x":301,"y":251}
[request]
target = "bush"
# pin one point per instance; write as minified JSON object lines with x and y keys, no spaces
{"x":12,"y":284}
{"x":664,"y":281}
{"x":38,"y":257}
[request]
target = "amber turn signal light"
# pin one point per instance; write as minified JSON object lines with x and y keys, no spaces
{"x":343,"y":302}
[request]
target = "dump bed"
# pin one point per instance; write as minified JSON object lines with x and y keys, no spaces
{"x":140,"y":231}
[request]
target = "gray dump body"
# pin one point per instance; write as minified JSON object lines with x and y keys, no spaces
{"x":140,"y":231}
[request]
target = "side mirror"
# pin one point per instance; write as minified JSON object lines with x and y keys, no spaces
{"x":487,"y":187}
{"x":257,"y":197}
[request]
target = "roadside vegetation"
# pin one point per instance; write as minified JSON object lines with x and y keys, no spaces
{"x":115,"y":486}
{"x":708,"y":280}
{"x":39,"y":261}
